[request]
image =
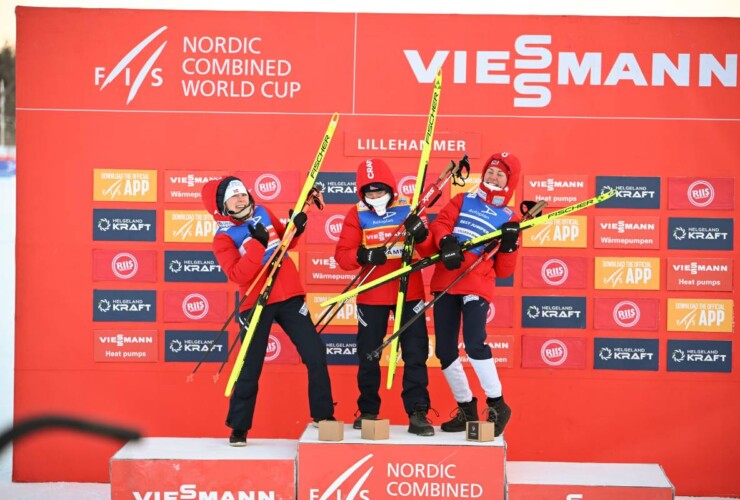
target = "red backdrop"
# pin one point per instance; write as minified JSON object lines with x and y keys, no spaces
{"x":576,"y":98}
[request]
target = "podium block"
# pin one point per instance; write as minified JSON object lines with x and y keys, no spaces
{"x":160,"y":468}
{"x":591,"y":481}
{"x":404,"y":466}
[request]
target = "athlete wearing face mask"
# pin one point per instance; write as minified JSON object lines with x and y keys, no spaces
{"x":366,"y":227}
{"x":467,"y":216}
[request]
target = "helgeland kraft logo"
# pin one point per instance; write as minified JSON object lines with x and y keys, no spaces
{"x":553,"y":312}
{"x":699,"y":356}
{"x":632,"y":192}
{"x":625,"y":354}
{"x":124,"y":305}
{"x":147,"y":72}
{"x":192,"y":266}
{"x":338,"y":187}
{"x":692,"y":233}
{"x":191,"y":345}
{"x":124,"y":225}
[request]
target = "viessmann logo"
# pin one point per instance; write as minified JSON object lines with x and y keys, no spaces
{"x":147,"y":73}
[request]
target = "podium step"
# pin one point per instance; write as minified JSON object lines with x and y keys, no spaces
{"x":404,"y":466}
{"x":174,"y":468}
{"x":586,"y":481}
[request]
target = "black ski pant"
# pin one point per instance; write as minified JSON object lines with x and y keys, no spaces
{"x":372,"y":328}
{"x":293,"y":317}
{"x":448,"y":311}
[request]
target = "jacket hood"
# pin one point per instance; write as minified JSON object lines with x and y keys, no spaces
{"x":374,"y":171}
{"x":509,"y":164}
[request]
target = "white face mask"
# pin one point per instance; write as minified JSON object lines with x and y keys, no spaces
{"x":379,"y":204}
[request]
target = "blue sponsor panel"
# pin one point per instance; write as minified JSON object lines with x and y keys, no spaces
{"x":124,"y":305}
{"x":632,"y":192}
{"x":699,"y":356}
{"x":341,"y":348}
{"x":338,"y":187}
{"x":553,"y":312}
{"x":192,"y":267}
{"x":192,"y":345}
{"x":124,"y":225}
{"x":626,"y":354}
{"x":694,"y":233}
{"x":505,"y":281}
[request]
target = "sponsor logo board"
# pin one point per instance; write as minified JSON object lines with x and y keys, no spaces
{"x":553,"y":352}
{"x":325,"y":228}
{"x":689,"y":273}
{"x":322,"y":269}
{"x":192,"y":267}
{"x":500,"y":312}
{"x":625,"y":354}
{"x":623,"y":273}
{"x":124,"y":305}
{"x":700,"y":315}
{"x":627,"y":232}
{"x":189,"y":226}
{"x":347,"y":315}
{"x":612,"y":313}
{"x":553,"y":312}
{"x":564,"y":232}
{"x":502,"y":348}
{"x":124,"y":185}
{"x":125,"y":346}
{"x":556,"y":190}
{"x":272,"y":187}
{"x":341,"y":348}
{"x":702,"y":193}
{"x":280,"y":350}
{"x":693,"y":233}
{"x":338,"y":187}
{"x":191,"y":345}
{"x":185,"y":185}
{"x":185,"y":306}
{"x":124,"y":225}
{"x":124,"y":265}
{"x":699,"y":356}
{"x":553,"y":272}
{"x":632,"y":192}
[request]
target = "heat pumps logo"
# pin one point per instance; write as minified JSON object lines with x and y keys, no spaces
{"x":147,"y":73}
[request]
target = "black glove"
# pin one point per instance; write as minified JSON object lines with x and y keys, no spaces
{"x":450,"y":252}
{"x":416,"y":228}
{"x":300,"y":221}
{"x":509,"y":237}
{"x":375,"y":256}
{"x":259,"y":233}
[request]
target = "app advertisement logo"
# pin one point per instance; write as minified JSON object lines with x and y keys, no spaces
{"x":627,"y":232}
{"x":708,"y":193}
{"x":690,"y":233}
{"x":341,"y":348}
{"x":553,"y":312}
{"x":192,"y":267}
{"x":186,"y":306}
{"x":124,"y":305}
{"x":324,"y":270}
{"x":564,"y":232}
{"x":273,"y":187}
{"x":699,"y":356}
{"x":325,"y":227}
{"x":710,"y":275}
{"x":347,"y":315}
{"x":432,"y":361}
{"x":185,"y":185}
{"x":189,"y":226}
{"x":613,"y":313}
{"x":500,"y":312}
{"x":338,"y":187}
{"x":126,"y":346}
{"x":129,"y":265}
{"x":553,"y":272}
{"x":192,"y":345}
{"x":124,"y":185}
{"x":409,"y":145}
{"x":626,"y":354}
{"x":124,"y":225}
{"x":559,"y":352}
{"x":556,"y":190}
{"x":612,"y":273}
{"x":632,"y":192}
{"x":700,"y":315}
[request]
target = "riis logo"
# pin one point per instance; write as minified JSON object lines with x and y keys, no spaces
{"x":632,"y":192}
{"x":627,"y":273}
{"x":124,"y":185}
{"x":699,"y":356}
{"x":625,"y":354}
{"x":565,"y":232}
{"x":700,"y":315}
{"x":689,"y":233}
{"x":147,"y":73}
{"x":559,"y":352}
{"x":706,"y":193}
{"x":189,"y":226}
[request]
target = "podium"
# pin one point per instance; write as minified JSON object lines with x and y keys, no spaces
{"x":592,"y":481}
{"x":168,"y":468}
{"x":404,"y":466}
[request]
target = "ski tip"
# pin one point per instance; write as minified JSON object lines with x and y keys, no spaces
{"x":190,"y":378}
{"x":215,"y":378}
{"x":335,"y":117}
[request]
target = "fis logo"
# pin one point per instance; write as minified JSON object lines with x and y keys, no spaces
{"x":147,"y":73}
{"x":335,"y":488}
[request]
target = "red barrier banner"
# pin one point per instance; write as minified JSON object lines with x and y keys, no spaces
{"x":707,"y":193}
{"x":187,"y":306}
{"x":553,"y":352}
{"x":553,"y":272}
{"x":626,"y":313}
{"x":128,"y":265}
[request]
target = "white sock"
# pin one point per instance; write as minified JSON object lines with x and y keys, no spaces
{"x":485,"y":369}
{"x":458,"y":382}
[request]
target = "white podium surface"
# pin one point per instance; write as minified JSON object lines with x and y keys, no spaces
{"x":167,"y":448}
{"x":587,"y":474}
{"x":399,"y":435}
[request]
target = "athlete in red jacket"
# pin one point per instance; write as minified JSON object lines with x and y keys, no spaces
{"x":467,"y":216}
{"x":367,"y":226}
{"x":247,"y":235}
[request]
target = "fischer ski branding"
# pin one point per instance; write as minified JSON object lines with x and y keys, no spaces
{"x":408,"y":244}
{"x":290,"y":230}
{"x":470,"y":244}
